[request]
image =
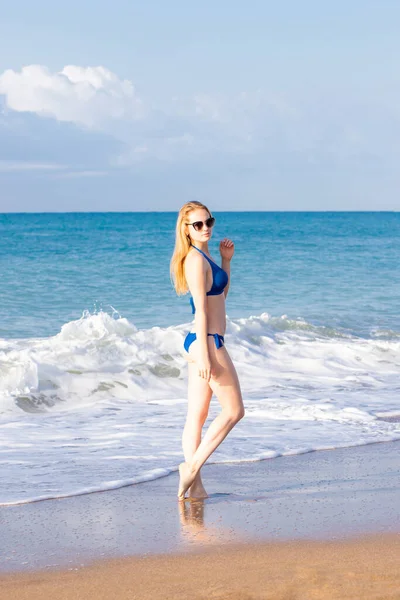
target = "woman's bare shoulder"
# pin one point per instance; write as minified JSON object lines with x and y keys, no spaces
{"x":193,"y":258}
{"x":194,"y":266}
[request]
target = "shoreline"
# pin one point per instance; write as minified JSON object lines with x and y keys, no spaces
{"x":172,"y":471}
{"x":323,"y":495}
{"x":321,"y":525}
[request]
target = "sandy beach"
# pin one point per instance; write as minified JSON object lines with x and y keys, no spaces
{"x":364,"y":568}
{"x":324,"y":524}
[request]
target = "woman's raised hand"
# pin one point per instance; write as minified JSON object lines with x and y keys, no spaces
{"x":226,"y":248}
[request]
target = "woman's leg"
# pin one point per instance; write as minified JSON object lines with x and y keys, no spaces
{"x":224,"y":383}
{"x":199,"y":396}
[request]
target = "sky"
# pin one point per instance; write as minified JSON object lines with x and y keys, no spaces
{"x":257,"y":105}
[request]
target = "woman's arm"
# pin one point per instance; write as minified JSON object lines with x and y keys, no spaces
{"x":195,"y":273}
{"x":226,"y":265}
{"x":226,"y":249}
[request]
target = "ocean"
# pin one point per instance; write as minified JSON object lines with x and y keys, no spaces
{"x":92,"y":373}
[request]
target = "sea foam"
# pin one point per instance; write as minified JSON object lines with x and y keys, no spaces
{"x":102,"y":403}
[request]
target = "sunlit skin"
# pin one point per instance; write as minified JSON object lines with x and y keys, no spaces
{"x":210,"y":370}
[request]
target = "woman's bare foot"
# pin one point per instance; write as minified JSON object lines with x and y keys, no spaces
{"x":187,"y":476}
{"x":197,"y":490}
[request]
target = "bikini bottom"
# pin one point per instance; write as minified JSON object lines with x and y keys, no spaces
{"x":219,"y":340}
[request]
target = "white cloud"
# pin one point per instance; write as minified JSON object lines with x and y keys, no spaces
{"x":89,"y":96}
{"x":80,"y":174}
{"x":8,"y":166}
{"x":263,"y":127}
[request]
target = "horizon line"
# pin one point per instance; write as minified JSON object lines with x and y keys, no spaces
{"x":83,"y":212}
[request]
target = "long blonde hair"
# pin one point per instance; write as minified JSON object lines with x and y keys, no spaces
{"x":182,"y":246}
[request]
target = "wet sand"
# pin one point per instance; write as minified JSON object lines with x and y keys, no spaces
{"x":319,"y":525}
{"x":362,"y":569}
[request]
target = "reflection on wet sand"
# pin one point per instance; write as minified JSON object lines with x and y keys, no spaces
{"x":194,"y":529}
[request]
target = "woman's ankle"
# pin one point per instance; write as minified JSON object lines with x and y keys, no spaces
{"x":193,"y":467}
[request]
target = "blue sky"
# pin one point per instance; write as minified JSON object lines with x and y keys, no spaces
{"x":246,"y":106}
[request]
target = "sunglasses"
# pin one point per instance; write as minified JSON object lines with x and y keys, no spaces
{"x":198,"y":225}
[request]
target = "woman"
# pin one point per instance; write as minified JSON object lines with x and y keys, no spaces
{"x":210,"y":367}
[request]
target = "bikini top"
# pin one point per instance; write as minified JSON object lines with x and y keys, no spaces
{"x":220,"y":279}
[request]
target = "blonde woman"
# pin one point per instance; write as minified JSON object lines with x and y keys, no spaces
{"x":210,"y":368}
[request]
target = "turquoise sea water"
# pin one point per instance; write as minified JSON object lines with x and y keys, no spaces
{"x":93,"y":379}
{"x":340,"y":270}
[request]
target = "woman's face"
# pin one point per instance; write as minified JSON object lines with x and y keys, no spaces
{"x":199,"y":214}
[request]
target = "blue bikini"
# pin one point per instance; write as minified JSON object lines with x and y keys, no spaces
{"x":220,"y":281}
